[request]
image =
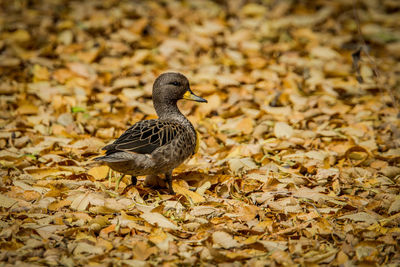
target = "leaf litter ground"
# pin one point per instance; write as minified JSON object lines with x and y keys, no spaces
{"x":299,"y":152}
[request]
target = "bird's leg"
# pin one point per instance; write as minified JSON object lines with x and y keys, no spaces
{"x":133,"y":180}
{"x":118,"y":181}
{"x":168,"y":177}
{"x":133,"y":183}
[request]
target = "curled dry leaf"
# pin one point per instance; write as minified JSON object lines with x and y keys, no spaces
{"x":395,"y":206}
{"x":224,"y":240}
{"x":360,"y":217}
{"x":6,"y":202}
{"x":283,"y":130}
{"x":241,"y":165}
{"x":192,"y":196}
{"x":159,"y":220}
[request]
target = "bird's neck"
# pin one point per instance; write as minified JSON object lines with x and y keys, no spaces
{"x":169,"y":111}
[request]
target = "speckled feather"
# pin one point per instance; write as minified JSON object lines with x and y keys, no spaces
{"x":151,"y":147}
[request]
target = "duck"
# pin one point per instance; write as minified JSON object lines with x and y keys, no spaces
{"x":157,"y":146}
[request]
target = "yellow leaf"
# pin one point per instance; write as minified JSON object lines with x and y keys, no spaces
{"x":157,"y":236}
{"x":6,"y":202}
{"x":59,"y":204}
{"x":99,"y":172}
{"x":19,"y":36}
{"x":141,"y":250}
{"x":27,"y":109}
{"x":246,"y":125}
{"x":195,"y":197}
{"x":251,"y":240}
{"x":125,"y":216}
{"x":40,"y":73}
{"x":104,"y":243}
{"x":155,"y":218}
{"x":341,"y":258}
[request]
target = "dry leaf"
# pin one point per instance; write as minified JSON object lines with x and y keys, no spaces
{"x":224,"y":240}
{"x":99,"y":173}
{"x":6,"y":202}
{"x":241,"y":165}
{"x":395,"y":206}
{"x":159,"y":220}
{"x":360,"y":217}
{"x":193,"y":196}
{"x":283,"y":130}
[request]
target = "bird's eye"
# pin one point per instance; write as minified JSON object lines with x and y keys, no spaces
{"x":175,"y":83}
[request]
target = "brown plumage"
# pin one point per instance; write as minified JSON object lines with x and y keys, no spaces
{"x":152,"y":147}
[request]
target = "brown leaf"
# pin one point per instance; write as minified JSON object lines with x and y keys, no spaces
{"x":283,"y":130}
{"x":192,"y":196}
{"x":224,"y":240}
{"x":6,"y":202}
{"x":142,"y":251}
{"x":155,"y":218}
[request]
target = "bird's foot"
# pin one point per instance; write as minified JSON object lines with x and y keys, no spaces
{"x":133,"y":180}
{"x":171,"y":191}
{"x":168,"y":177}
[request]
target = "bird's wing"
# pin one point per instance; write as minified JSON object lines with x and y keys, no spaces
{"x":144,"y":137}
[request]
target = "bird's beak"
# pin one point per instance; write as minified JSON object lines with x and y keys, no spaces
{"x":190,"y":96}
